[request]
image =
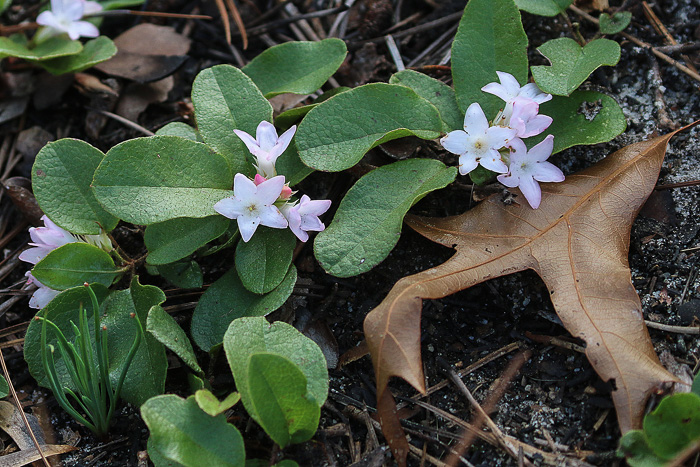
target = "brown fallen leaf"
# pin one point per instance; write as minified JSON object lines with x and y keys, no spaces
{"x":577,"y":242}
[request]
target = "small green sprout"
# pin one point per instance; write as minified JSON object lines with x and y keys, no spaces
{"x":94,"y":398}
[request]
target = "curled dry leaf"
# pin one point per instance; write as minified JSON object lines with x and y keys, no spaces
{"x":577,"y":242}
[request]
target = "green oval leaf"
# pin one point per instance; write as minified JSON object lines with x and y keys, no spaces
{"x":673,"y":425}
{"x":74,"y":264}
{"x":61,"y":178}
{"x":226,"y":99}
{"x":247,"y":337}
{"x":182,"y":434}
{"x":296,"y":67}
{"x":213,"y":406}
{"x":154,"y":179}
{"x":585,"y":117}
{"x":146,"y":375}
{"x":94,"y":51}
{"x":166,"y":330}
{"x":263,"y":262}
{"x":17,"y":46}
{"x":490,"y":38}
{"x":615,"y":23}
{"x":227,"y":299}
{"x":277,"y":390}
{"x":174,"y":239}
{"x":337,"y":133}
{"x":544,"y":7}
{"x":183,"y":130}
{"x":287,"y":118}
{"x":368,"y":222}
{"x":183,"y":274}
{"x":571,"y":65}
{"x":437,"y":93}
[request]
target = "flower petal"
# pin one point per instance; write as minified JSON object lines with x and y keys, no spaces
{"x":248,"y":140}
{"x":82,"y":29}
{"x":498,"y":136}
{"x":467,"y":163}
{"x":229,"y":207}
{"x":73,"y":9}
{"x":35,"y":254}
{"x":42,"y":296}
{"x":509,"y":83}
{"x":475,"y":122}
{"x":531,"y":190}
{"x":547,"y":172}
{"x":492,"y":161}
{"x":509,"y":180}
{"x":243,"y":187}
{"x":247,"y":226}
{"x":266,"y":134}
{"x":541,"y":151}
{"x":315,"y":207}
{"x":270,"y":190}
{"x":272,"y":217}
{"x":90,"y":8}
{"x":48,"y":18}
{"x":531,"y":91}
{"x":312,"y":223}
{"x":455,"y":142}
{"x":497,"y":90}
{"x":536,"y":125}
{"x":286,"y":137}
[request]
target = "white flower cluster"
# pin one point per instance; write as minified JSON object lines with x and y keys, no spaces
{"x":44,"y":241}
{"x":499,"y":147}
{"x":265,"y":200}
{"x":65,"y":17}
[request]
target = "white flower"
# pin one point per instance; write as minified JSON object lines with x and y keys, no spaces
{"x":478,"y":143}
{"x":45,"y":239}
{"x":253,"y":205}
{"x":509,"y":89}
{"x":266,"y":147}
{"x":303,"y":216}
{"x":529,"y":167}
{"x":42,"y":295}
{"x":64,"y":17}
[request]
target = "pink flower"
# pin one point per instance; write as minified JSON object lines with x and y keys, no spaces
{"x":45,"y":239}
{"x":478,"y":143}
{"x":526,"y":120}
{"x":529,"y":167}
{"x":252,"y":205}
{"x":42,"y":295}
{"x":303,"y":216}
{"x":266,"y":146}
{"x":64,"y":16}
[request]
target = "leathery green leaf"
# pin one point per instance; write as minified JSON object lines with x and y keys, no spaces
{"x":227,"y":299}
{"x":296,"y":67}
{"x":368,"y":222}
{"x":263,"y":262}
{"x":182,"y":434}
{"x":490,"y":38}
{"x":338,"y":132}
{"x":154,"y":179}
{"x":226,"y":99}
{"x":74,"y":264}
{"x":61,"y":178}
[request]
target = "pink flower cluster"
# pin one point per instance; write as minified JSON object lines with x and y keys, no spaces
{"x":266,"y":200}
{"x":499,"y":146}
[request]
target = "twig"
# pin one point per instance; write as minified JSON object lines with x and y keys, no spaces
{"x":239,"y":22}
{"x":467,"y":439}
{"x":669,"y":328}
{"x":661,"y":29}
{"x":641,"y":43}
{"x":155,"y":14}
{"x":416,"y":29}
{"x":394,"y":51}
{"x":21,"y":411}
{"x":126,"y":122}
{"x":668,"y":186}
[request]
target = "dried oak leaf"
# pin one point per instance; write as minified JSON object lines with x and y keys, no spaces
{"x":577,"y":242}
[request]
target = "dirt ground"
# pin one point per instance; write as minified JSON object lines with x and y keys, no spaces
{"x":556,"y":403}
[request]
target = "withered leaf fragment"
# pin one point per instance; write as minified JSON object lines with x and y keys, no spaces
{"x":577,"y":242}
